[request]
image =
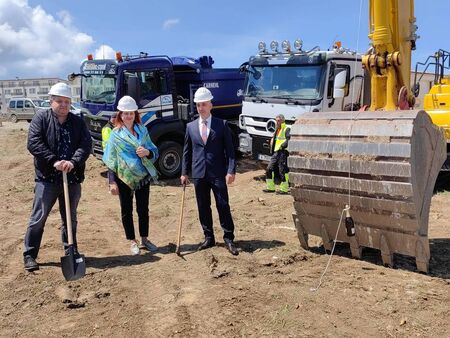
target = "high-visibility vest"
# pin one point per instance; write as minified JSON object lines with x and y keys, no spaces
{"x":106,"y":132}
{"x":280,"y":136}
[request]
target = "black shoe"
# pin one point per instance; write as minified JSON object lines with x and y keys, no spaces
{"x":30,"y":263}
{"x":231,"y":247}
{"x":267,"y":190}
{"x":208,"y":243}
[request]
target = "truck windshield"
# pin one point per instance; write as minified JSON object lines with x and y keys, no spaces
{"x":274,"y":81}
{"x":99,"y":88}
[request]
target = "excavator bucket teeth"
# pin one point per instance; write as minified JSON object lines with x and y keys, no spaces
{"x":383,"y":164}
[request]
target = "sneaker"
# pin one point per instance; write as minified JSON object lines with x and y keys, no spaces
{"x":134,"y":248}
{"x":146,"y":244}
{"x":30,"y":263}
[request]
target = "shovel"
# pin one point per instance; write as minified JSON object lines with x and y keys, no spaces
{"x":177,"y":251}
{"x":73,"y":266}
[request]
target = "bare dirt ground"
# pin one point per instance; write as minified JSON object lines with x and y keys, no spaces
{"x":265,"y":291}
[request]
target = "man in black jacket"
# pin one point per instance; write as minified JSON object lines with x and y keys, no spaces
{"x":59,"y":141}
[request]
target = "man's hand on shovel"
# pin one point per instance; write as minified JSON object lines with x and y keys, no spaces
{"x":63,"y":165}
{"x":184,"y":179}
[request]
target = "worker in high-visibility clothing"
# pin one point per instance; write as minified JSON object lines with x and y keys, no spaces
{"x":278,"y":145}
{"x":106,"y":130}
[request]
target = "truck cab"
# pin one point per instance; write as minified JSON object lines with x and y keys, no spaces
{"x":163,"y":88}
{"x":293,"y":82}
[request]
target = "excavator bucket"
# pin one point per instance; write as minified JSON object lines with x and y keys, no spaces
{"x":382,"y":164}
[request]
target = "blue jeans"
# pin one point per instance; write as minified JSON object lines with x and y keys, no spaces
{"x":45,"y":196}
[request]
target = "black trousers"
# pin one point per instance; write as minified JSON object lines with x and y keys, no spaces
{"x":203,"y":187}
{"x":278,"y":164}
{"x":126,"y":208}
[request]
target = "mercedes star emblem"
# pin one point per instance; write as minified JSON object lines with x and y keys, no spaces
{"x":271,"y":126}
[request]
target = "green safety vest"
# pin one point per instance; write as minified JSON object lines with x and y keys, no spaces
{"x":106,"y":132}
{"x":280,"y":136}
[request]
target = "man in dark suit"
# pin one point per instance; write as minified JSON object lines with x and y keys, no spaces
{"x":209,"y":155}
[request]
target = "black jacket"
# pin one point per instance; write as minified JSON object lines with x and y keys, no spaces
{"x":43,"y":139}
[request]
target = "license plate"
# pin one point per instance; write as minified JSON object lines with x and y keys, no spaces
{"x":263,"y":157}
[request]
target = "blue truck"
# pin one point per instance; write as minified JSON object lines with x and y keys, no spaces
{"x":163,"y":88}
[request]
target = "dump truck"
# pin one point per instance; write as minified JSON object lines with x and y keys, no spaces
{"x":376,"y":167}
{"x":294,"y":81}
{"x":437,"y":101}
{"x":163,"y":88}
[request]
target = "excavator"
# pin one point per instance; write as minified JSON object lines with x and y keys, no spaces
{"x":437,"y":101}
{"x":376,"y":167}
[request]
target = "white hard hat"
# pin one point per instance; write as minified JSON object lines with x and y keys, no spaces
{"x":61,"y":89}
{"x":127,"y":103}
{"x":202,"y":95}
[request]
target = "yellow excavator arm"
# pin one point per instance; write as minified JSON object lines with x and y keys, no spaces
{"x":392,"y":30}
{"x":383,"y":163}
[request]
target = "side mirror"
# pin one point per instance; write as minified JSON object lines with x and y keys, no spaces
{"x":339,"y":85}
{"x":71,"y":77}
{"x":243,"y":68}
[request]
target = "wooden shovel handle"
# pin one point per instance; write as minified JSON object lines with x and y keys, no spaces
{"x":68,"y":211}
{"x":181,"y":220}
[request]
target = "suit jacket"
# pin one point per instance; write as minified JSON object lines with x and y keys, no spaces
{"x":216,"y":158}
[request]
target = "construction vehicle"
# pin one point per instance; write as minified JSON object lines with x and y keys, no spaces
{"x":437,"y":101}
{"x":382,"y":163}
{"x":294,"y":81}
{"x":163,"y":88}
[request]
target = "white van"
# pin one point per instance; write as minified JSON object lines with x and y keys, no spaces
{"x":23,"y":109}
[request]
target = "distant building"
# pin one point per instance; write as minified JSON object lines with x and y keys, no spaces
{"x":34,"y":88}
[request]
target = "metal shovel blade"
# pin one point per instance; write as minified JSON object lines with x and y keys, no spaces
{"x":73,"y":266}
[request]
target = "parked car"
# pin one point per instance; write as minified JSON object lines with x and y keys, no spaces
{"x":23,"y":109}
{"x":76,"y":108}
{"x":45,"y":104}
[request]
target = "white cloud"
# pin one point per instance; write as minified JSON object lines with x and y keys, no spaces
{"x":104,"y":52}
{"x":169,"y":23}
{"x":65,"y":17}
{"x":34,"y":43}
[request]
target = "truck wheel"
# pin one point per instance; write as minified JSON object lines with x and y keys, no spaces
{"x":14,"y":118}
{"x":169,"y":161}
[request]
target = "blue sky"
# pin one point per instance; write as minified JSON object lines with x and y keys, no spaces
{"x":51,"y":37}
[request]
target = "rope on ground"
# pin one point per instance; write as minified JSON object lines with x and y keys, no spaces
{"x":331,"y":254}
